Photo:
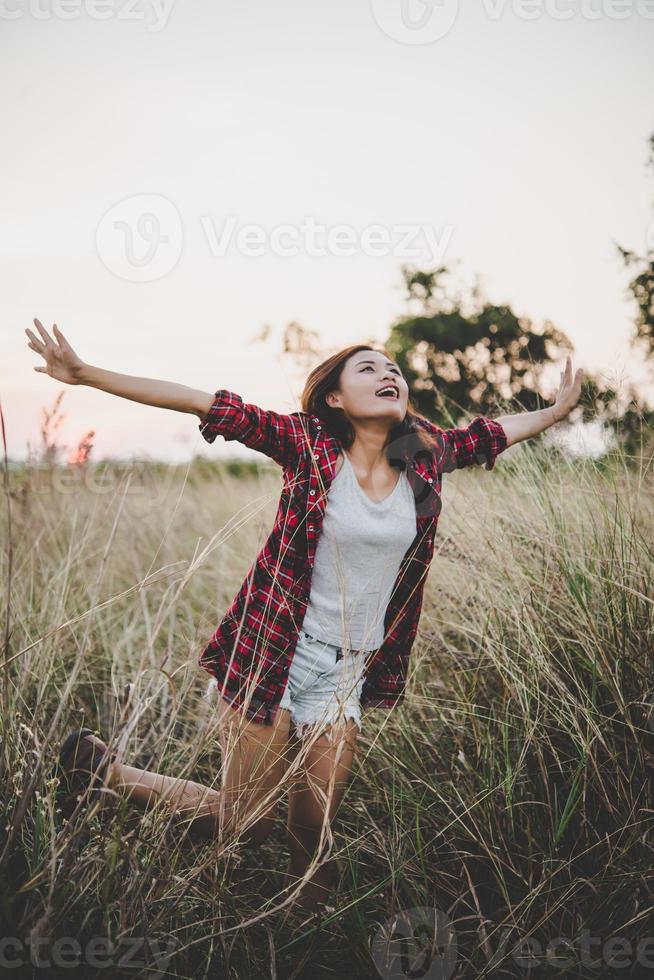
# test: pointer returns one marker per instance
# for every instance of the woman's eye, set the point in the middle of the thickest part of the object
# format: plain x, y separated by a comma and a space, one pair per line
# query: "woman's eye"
368, 367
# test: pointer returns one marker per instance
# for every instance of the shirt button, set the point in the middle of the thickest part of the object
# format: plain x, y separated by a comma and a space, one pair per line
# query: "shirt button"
316, 455
312, 492
310, 527
429, 480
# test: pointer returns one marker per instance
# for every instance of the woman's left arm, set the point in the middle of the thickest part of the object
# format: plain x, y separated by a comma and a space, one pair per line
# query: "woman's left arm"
524, 425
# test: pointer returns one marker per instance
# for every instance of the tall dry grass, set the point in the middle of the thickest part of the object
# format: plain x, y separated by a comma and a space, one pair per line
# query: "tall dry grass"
511, 790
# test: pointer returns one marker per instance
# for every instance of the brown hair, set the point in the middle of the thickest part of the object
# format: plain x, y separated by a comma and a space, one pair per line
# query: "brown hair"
412, 430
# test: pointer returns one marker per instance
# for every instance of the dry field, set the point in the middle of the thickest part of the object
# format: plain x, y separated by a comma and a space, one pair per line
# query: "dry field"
511, 791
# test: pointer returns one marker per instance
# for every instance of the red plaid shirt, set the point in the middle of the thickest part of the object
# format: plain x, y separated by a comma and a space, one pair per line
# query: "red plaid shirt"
251, 650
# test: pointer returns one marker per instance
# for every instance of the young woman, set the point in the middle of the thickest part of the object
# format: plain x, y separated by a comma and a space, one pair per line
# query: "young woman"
323, 624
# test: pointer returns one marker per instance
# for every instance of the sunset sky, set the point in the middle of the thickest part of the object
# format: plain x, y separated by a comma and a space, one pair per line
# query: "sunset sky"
510, 148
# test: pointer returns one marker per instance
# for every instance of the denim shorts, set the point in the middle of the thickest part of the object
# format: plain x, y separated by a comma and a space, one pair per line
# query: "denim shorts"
324, 685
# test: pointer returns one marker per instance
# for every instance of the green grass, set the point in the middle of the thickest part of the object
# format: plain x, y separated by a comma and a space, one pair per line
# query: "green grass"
512, 789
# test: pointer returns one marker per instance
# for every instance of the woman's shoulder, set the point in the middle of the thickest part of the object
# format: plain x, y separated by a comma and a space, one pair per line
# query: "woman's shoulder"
316, 425
314, 439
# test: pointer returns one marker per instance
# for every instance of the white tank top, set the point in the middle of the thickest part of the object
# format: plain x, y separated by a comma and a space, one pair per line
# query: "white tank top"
357, 561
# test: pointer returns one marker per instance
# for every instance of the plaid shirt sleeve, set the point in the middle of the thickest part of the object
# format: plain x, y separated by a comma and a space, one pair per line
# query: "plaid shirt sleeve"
281, 437
479, 442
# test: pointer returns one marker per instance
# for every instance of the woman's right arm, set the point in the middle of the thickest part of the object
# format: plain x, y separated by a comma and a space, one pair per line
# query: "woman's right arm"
63, 364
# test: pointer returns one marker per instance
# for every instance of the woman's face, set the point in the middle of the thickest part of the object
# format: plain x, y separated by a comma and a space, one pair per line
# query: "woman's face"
364, 375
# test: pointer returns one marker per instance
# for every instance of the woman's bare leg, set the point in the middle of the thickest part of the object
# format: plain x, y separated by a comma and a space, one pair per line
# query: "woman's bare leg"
198, 804
253, 765
256, 758
327, 770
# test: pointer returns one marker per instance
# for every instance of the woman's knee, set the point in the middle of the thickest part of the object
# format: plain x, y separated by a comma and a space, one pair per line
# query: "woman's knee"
305, 831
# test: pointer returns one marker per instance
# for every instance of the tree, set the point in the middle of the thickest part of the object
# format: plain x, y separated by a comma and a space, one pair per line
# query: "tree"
636, 420
466, 354
302, 344
642, 285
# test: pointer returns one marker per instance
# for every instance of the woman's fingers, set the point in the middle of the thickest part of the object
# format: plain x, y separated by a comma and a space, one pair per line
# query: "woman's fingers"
578, 379
566, 375
47, 339
35, 344
38, 344
63, 343
44, 333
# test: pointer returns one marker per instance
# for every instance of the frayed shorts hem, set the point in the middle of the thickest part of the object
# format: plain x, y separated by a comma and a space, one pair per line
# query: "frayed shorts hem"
306, 726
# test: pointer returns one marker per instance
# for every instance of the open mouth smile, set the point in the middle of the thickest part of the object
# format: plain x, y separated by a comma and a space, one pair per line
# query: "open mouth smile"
388, 391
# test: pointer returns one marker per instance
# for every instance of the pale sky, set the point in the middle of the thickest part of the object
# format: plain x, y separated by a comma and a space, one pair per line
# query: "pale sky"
511, 147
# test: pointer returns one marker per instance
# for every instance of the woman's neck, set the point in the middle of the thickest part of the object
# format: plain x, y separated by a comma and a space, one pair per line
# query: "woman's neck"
369, 443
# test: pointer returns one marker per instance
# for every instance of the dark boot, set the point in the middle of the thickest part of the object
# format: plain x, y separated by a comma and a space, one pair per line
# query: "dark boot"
83, 760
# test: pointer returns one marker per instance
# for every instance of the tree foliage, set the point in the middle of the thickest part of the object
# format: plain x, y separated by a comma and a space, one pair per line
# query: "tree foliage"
461, 354
642, 285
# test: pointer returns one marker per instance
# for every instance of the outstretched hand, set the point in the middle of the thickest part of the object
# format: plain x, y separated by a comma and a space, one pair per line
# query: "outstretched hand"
569, 390
61, 361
